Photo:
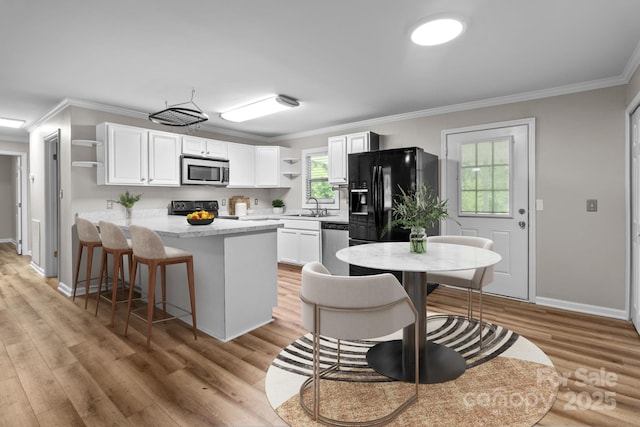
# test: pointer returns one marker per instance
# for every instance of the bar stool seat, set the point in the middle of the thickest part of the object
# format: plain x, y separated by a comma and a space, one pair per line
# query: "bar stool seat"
88, 237
149, 249
116, 244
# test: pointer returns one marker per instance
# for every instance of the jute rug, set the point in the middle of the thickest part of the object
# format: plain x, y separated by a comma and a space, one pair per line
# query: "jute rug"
510, 382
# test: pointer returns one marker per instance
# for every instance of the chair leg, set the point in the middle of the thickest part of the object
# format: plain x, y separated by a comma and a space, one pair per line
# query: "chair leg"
132, 279
75, 282
192, 295
114, 286
103, 267
88, 278
480, 323
163, 280
151, 301
469, 304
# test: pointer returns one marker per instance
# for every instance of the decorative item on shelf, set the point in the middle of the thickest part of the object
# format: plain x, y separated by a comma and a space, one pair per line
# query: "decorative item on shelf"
416, 211
200, 218
278, 206
128, 200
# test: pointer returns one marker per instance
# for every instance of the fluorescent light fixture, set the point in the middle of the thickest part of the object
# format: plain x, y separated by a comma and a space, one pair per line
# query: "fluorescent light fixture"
261, 108
11, 123
437, 31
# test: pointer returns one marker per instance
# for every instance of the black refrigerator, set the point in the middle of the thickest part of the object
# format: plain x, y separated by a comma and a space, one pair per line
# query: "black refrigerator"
375, 178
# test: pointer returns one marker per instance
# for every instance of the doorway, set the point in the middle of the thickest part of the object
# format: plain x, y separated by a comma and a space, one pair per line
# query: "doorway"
488, 178
52, 204
19, 184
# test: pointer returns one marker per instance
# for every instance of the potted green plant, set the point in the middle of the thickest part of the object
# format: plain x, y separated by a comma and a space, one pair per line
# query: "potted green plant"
416, 211
128, 200
278, 206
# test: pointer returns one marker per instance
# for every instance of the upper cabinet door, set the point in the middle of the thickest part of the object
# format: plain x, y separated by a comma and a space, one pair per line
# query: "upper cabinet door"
216, 149
126, 155
194, 146
241, 165
164, 159
267, 166
358, 142
338, 159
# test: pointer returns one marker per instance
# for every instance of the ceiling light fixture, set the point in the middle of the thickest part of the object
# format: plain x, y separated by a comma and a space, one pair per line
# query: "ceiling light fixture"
11, 123
261, 108
437, 31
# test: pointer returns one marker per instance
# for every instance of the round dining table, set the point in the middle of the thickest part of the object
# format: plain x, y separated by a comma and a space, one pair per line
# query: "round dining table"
395, 358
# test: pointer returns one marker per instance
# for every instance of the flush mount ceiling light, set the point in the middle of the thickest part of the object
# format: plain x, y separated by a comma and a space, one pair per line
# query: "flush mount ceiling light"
261, 108
436, 31
11, 123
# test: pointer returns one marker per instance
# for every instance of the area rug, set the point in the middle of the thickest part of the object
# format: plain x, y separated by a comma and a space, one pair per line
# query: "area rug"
510, 382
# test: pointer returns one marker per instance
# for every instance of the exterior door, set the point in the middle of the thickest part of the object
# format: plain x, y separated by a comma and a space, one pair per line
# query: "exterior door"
635, 215
486, 181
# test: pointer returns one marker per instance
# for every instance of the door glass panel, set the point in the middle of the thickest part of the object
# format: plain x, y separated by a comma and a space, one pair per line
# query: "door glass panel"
485, 178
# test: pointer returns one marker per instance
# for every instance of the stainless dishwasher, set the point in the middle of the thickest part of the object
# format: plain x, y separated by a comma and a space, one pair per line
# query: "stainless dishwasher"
335, 236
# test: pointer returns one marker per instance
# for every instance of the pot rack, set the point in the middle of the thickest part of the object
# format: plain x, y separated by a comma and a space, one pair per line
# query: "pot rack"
175, 115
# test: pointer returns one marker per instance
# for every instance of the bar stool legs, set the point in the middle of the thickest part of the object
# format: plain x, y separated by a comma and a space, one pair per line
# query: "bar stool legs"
118, 269
90, 247
153, 265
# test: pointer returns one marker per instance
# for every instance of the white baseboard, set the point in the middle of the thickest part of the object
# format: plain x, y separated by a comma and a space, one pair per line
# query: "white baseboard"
583, 308
68, 289
37, 268
12, 241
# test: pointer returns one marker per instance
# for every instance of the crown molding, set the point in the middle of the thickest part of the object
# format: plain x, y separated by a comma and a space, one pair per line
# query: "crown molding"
491, 102
632, 64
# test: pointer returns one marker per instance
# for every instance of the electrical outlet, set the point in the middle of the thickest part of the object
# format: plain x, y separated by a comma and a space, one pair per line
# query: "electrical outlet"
592, 205
255, 202
109, 204
224, 202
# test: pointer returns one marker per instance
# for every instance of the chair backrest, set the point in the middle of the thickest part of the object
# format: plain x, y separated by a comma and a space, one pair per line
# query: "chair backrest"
87, 231
353, 307
112, 236
146, 243
482, 276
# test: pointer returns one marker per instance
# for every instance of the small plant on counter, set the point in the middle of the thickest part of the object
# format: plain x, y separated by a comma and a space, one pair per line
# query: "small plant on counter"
277, 203
128, 199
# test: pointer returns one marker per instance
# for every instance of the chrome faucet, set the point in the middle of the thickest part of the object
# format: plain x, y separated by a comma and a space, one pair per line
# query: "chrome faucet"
317, 213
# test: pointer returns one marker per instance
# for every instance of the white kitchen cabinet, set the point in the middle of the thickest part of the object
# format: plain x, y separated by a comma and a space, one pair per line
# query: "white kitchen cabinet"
130, 155
164, 159
203, 147
339, 148
299, 242
272, 167
241, 165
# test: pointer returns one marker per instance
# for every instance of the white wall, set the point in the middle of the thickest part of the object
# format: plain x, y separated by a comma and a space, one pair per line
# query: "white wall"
579, 155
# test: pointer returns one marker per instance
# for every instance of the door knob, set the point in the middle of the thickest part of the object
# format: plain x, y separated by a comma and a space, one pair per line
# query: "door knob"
522, 224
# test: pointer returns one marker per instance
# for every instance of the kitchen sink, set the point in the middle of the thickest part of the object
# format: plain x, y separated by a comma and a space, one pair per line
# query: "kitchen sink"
309, 215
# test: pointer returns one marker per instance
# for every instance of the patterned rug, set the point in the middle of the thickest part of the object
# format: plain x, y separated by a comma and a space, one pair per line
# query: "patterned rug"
510, 382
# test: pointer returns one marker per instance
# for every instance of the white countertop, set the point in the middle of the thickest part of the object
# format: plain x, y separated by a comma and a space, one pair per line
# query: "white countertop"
439, 257
177, 226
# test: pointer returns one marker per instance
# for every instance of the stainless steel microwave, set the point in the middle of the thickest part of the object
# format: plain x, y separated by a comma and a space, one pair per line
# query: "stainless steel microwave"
202, 171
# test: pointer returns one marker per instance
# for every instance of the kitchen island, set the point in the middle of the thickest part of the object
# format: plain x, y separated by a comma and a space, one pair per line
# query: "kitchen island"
235, 265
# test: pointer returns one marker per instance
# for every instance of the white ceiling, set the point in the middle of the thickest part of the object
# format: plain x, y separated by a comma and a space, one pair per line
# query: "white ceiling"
345, 60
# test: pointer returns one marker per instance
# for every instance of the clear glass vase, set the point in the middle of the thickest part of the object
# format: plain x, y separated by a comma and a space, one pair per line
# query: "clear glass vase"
418, 240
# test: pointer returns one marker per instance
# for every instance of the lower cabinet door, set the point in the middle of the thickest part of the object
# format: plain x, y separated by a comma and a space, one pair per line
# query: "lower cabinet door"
309, 246
288, 246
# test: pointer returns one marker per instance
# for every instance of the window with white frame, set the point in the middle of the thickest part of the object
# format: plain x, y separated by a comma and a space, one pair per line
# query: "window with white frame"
315, 170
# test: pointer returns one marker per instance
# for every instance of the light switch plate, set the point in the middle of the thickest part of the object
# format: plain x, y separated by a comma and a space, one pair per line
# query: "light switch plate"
539, 205
592, 205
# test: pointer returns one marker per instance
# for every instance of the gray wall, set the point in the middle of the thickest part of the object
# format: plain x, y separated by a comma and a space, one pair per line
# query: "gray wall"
580, 142
580, 154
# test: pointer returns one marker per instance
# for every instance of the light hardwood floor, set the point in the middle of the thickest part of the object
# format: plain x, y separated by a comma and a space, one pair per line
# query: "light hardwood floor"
61, 366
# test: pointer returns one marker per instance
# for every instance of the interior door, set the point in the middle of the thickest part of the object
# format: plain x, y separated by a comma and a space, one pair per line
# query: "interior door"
487, 186
635, 215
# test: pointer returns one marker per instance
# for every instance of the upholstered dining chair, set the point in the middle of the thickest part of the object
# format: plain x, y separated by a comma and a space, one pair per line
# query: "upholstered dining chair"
351, 307
471, 280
